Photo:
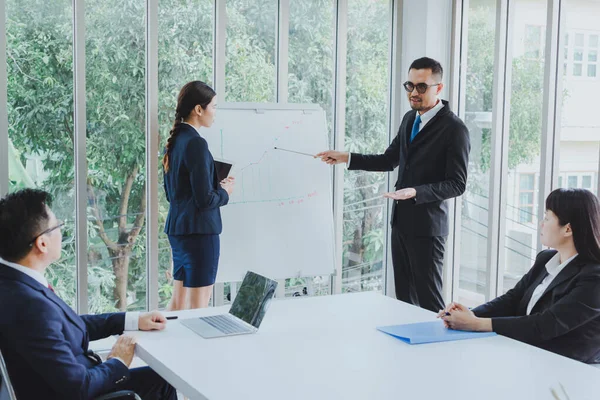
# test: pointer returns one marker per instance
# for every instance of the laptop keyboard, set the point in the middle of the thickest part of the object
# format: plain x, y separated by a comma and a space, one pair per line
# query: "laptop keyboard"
226, 324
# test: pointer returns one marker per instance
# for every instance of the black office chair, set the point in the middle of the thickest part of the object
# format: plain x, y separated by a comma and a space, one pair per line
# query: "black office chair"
7, 392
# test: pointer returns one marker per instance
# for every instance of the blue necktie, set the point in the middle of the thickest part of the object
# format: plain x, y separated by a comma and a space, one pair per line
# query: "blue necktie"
415, 129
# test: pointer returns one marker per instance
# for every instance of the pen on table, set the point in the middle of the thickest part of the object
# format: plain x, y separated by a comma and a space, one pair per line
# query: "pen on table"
172, 317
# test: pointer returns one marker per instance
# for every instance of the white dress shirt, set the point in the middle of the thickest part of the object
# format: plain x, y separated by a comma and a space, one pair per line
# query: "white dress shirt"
428, 115
425, 118
553, 267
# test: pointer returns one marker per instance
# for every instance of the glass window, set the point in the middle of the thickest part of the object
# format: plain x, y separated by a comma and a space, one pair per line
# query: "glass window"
116, 119
39, 54
526, 198
572, 181
525, 132
367, 88
592, 56
527, 181
250, 74
566, 55
481, 34
310, 52
310, 80
585, 53
534, 41
579, 123
185, 53
578, 55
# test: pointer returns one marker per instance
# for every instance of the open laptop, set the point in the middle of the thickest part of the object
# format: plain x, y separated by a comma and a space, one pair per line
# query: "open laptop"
246, 313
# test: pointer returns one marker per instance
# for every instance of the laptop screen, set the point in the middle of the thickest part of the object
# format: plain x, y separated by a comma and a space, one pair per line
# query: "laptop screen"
253, 298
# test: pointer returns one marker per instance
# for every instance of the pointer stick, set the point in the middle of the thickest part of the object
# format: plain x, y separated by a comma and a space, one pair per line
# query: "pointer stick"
293, 151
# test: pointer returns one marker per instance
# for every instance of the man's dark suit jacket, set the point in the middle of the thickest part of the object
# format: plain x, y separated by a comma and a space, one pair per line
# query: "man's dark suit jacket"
565, 320
192, 187
44, 343
435, 164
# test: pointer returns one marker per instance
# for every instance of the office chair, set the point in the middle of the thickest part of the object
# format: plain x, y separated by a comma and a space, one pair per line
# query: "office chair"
6, 389
7, 392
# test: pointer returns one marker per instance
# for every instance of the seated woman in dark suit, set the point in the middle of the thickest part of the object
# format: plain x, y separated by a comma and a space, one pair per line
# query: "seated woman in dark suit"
556, 305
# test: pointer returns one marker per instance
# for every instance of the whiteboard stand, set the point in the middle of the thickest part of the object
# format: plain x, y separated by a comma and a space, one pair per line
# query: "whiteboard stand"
218, 294
280, 291
310, 289
232, 291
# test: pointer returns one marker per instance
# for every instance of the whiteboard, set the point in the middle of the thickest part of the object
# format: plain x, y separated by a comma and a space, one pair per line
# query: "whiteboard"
279, 220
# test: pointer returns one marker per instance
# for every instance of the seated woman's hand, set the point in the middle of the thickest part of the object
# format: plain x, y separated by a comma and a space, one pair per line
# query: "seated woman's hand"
462, 319
449, 308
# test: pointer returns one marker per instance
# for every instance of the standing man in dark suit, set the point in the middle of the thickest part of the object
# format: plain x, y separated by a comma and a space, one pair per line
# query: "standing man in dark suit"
431, 152
43, 341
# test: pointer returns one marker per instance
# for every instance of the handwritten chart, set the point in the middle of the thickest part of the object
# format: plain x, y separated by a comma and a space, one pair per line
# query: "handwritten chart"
279, 220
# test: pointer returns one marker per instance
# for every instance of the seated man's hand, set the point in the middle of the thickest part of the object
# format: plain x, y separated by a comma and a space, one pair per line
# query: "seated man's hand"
124, 349
152, 321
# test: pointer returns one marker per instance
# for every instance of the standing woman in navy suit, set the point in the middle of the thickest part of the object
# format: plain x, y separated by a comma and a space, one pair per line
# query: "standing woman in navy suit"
195, 196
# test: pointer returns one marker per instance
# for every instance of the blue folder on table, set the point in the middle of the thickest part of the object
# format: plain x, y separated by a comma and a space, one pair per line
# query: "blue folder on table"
429, 332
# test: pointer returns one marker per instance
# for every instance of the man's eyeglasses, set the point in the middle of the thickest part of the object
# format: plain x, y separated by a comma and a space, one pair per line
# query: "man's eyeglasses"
421, 87
59, 225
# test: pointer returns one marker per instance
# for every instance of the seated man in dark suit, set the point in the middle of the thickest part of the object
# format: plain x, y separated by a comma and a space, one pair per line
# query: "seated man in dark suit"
556, 305
45, 343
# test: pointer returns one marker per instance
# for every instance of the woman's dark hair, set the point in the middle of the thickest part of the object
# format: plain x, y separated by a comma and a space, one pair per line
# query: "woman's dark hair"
192, 94
581, 209
23, 215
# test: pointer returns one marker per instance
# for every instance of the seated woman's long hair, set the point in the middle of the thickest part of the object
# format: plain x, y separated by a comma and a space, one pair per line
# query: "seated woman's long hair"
581, 209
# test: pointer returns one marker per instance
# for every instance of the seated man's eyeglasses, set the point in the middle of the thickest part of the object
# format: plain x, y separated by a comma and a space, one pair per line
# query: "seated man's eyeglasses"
59, 224
421, 87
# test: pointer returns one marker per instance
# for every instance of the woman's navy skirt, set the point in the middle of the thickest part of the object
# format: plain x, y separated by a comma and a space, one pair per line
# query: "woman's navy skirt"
195, 259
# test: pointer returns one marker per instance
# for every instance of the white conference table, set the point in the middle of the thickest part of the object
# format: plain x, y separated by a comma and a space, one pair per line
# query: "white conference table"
328, 348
